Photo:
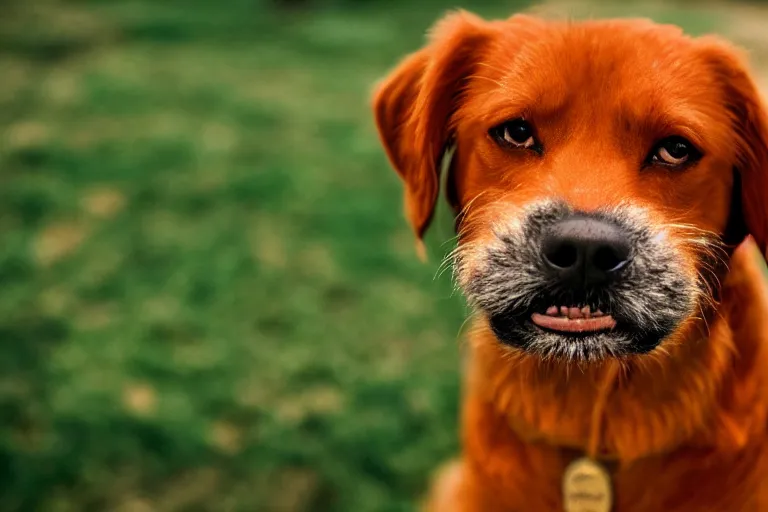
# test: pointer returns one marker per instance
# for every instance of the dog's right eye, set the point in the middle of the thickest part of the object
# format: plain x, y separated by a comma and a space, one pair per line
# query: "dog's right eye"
674, 152
517, 133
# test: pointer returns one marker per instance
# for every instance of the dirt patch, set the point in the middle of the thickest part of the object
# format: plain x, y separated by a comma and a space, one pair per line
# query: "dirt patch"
294, 489
136, 505
104, 202
192, 488
57, 241
226, 437
140, 399
25, 134
317, 400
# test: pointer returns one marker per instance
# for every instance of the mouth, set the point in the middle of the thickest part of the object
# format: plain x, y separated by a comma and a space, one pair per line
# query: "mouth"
574, 320
569, 332
586, 330
576, 332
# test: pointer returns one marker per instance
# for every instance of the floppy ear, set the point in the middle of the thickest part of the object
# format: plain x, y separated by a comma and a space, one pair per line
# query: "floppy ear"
414, 107
749, 117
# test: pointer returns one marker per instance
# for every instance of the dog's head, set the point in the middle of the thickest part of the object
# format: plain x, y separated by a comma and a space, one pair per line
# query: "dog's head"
601, 172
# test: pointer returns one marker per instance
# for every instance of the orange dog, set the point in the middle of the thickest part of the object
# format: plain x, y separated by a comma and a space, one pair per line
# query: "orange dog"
603, 174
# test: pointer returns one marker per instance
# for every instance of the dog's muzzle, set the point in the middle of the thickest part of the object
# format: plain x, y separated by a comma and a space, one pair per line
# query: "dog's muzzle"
580, 285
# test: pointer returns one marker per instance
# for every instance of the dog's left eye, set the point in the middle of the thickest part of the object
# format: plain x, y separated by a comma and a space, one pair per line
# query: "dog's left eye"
674, 151
517, 133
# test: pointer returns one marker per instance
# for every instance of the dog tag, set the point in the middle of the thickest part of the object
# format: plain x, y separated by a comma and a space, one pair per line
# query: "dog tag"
586, 487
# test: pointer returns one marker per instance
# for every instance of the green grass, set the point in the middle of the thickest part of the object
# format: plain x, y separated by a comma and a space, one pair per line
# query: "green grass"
210, 299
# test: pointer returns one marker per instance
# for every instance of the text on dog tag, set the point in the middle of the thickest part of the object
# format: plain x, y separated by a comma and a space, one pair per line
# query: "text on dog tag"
586, 487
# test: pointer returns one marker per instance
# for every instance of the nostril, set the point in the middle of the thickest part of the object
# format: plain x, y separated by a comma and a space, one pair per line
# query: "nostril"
609, 259
562, 255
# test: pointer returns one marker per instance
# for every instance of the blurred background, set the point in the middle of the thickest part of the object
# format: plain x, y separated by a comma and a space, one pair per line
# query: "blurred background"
209, 298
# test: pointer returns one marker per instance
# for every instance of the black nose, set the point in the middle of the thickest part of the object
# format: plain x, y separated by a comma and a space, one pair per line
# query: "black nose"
585, 252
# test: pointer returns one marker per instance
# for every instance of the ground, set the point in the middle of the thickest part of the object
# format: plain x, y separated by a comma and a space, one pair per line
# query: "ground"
210, 299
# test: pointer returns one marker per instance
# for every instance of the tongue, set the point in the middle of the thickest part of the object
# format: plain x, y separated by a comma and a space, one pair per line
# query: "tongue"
564, 324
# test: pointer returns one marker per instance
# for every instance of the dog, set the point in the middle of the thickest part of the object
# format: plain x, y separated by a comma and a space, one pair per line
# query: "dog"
610, 184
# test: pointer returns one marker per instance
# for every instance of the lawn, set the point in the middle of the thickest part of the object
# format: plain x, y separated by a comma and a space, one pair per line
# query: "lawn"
210, 299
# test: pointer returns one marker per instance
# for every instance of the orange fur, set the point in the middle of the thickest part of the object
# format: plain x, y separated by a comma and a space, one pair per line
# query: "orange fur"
684, 427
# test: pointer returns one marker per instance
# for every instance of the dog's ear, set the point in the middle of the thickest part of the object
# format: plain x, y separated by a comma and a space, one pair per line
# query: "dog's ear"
750, 121
415, 104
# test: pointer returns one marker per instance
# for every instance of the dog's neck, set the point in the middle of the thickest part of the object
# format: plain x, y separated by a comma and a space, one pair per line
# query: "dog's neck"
701, 392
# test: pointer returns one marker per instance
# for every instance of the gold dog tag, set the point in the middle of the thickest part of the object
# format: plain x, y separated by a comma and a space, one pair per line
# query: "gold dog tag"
586, 487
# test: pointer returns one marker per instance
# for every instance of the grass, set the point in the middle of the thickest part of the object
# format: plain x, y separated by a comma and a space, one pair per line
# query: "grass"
210, 300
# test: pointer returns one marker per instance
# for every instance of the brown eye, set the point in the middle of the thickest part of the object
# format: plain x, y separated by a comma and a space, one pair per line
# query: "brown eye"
674, 152
517, 133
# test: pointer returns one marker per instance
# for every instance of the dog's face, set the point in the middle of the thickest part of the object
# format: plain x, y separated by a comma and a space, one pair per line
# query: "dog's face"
600, 171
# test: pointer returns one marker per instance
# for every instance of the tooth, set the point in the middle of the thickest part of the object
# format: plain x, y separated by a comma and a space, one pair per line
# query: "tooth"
574, 313
585, 312
597, 313
564, 310
552, 311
